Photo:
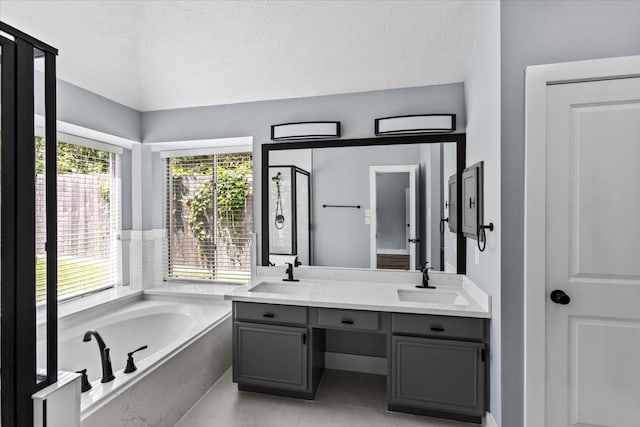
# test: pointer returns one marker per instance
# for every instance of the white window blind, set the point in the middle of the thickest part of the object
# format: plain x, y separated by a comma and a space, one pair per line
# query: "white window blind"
89, 220
209, 217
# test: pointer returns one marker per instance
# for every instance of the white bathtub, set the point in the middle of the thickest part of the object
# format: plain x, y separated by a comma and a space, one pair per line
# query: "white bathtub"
167, 325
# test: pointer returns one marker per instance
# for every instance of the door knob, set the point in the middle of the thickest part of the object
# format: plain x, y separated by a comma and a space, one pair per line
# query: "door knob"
559, 297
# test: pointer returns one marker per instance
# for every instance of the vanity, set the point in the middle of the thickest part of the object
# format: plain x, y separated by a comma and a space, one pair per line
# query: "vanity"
362, 216
435, 341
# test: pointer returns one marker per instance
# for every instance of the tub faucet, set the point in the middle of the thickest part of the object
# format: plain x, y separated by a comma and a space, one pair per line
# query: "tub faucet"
107, 370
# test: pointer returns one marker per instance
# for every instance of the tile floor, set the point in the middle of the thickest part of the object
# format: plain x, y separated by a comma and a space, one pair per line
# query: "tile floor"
344, 399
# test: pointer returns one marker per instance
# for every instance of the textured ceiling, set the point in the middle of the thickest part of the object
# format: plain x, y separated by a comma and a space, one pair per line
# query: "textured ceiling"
153, 55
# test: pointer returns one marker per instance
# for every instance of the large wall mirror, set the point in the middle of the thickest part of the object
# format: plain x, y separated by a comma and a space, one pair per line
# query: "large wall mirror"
380, 203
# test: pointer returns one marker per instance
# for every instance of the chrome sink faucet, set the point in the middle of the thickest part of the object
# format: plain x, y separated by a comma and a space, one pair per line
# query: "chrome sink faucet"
105, 359
425, 277
289, 274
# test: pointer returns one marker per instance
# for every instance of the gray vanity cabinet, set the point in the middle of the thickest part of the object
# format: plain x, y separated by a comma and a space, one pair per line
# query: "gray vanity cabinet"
437, 375
275, 351
271, 356
438, 366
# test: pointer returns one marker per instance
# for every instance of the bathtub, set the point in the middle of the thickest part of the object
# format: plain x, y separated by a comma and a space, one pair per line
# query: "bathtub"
189, 348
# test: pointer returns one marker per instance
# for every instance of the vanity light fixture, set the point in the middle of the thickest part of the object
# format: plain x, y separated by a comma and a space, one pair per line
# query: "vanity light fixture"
305, 130
415, 124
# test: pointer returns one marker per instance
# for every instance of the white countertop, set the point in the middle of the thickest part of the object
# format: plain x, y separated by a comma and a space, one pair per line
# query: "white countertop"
368, 292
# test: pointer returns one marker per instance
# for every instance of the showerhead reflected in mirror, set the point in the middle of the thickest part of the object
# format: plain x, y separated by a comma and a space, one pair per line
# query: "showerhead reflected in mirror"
376, 206
289, 230
279, 219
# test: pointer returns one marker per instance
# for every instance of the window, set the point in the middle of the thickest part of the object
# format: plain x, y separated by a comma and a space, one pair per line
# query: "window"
209, 217
88, 210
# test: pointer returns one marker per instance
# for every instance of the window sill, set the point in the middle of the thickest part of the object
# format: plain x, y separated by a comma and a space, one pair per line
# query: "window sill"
213, 290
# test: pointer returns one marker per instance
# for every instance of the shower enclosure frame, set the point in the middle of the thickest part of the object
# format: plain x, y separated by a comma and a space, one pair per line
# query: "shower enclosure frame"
294, 217
19, 376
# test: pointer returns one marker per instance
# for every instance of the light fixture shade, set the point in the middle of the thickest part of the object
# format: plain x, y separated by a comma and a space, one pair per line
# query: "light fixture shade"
417, 123
305, 130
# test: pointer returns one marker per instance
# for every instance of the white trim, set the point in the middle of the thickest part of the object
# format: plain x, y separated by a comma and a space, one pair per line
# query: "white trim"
95, 135
537, 79
240, 141
489, 421
205, 151
413, 171
83, 132
89, 143
65, 131
392, 251
7, 36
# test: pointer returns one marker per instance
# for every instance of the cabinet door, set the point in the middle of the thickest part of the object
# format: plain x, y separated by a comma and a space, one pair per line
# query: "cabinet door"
270, 356
438, 375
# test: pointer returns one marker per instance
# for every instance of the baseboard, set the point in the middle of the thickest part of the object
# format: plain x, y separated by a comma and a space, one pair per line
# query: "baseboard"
356, 363
489, 421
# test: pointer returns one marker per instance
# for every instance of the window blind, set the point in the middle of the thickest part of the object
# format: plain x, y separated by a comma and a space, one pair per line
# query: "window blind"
89, 220
209, 217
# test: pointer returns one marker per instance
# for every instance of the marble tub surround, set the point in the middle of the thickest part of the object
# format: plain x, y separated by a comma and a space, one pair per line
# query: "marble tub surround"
165, 395
172, 324
366, 290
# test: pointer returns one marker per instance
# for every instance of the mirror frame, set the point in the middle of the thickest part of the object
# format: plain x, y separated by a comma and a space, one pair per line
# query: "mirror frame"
434, 138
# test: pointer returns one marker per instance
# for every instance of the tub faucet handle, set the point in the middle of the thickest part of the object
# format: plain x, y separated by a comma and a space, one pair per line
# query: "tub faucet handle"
86, 386
131, 366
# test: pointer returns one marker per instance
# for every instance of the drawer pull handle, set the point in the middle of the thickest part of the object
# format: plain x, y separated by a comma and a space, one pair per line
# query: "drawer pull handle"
437, 329
347, 322
269, 315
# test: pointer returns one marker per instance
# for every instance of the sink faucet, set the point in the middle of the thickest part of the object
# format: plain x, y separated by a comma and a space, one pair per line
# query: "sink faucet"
425, 277
289, 274
107, 370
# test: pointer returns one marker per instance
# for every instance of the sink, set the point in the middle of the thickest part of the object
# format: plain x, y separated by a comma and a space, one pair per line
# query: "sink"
291, 288
431, 296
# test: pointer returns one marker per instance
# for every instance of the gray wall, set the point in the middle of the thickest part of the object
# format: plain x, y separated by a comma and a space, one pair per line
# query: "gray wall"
482, 87
341, 176
540, 32
87, 109
92, 111
356, 111
83, 108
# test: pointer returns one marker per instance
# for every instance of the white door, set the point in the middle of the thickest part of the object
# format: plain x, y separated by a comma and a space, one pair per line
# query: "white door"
410, 235
593, 254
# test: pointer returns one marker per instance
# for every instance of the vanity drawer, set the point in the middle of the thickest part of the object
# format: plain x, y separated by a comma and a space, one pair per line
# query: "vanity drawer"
438, 326
349, 319
270, 313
